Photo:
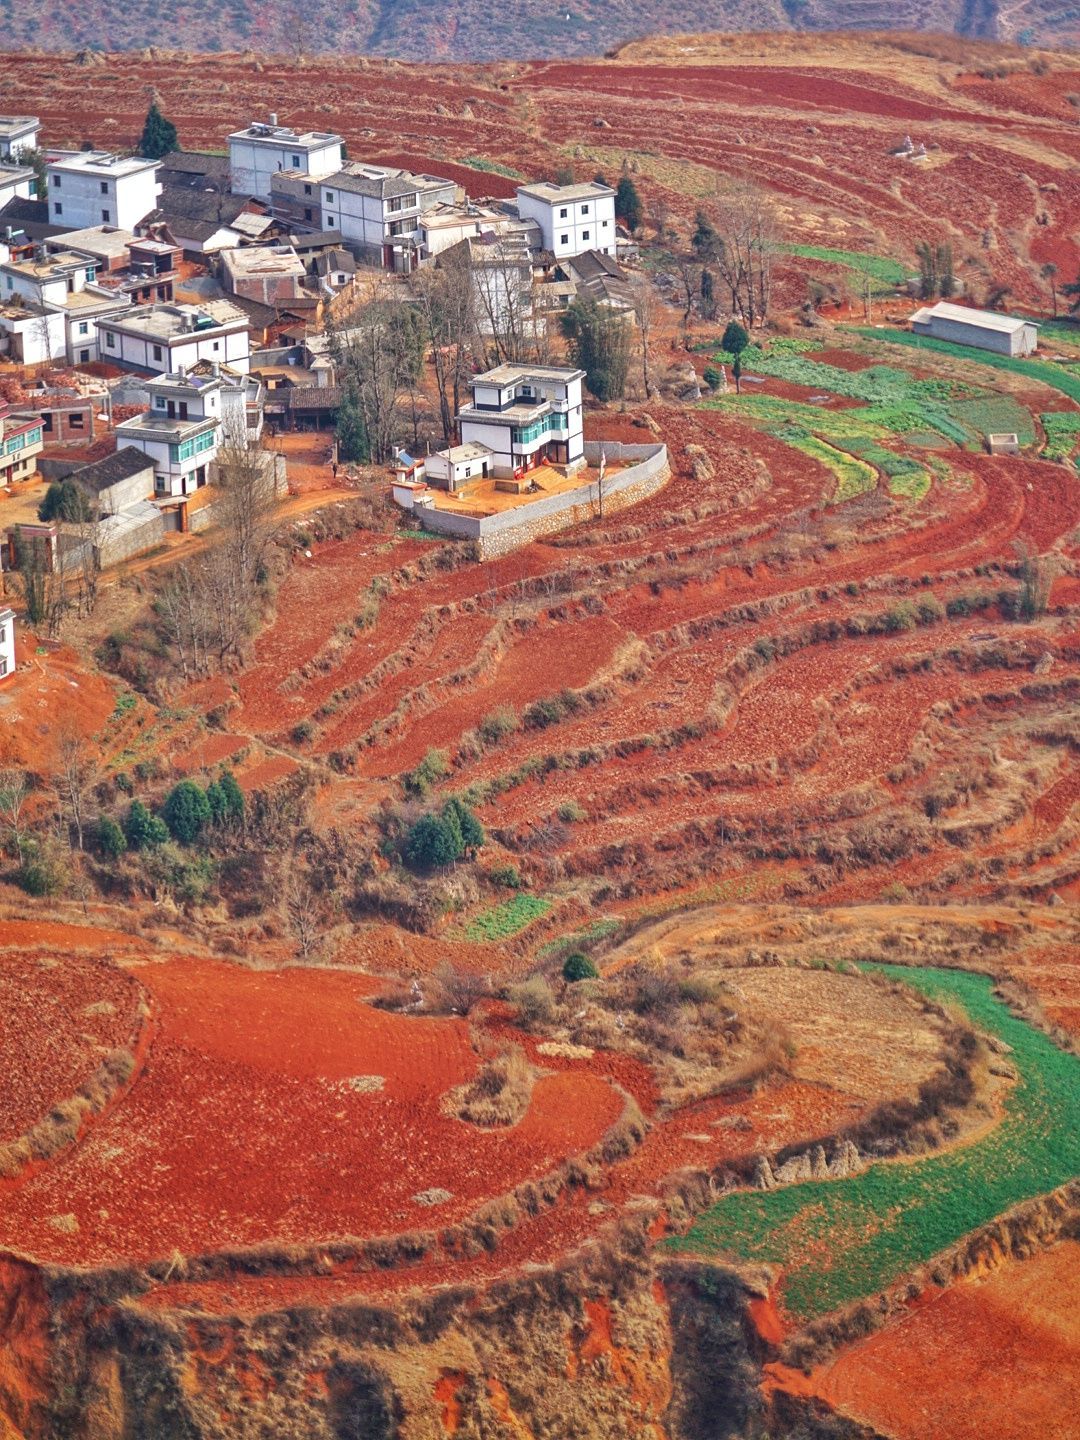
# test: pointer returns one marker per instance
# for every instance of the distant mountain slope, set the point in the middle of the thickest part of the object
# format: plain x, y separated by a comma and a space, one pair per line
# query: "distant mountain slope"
468, 30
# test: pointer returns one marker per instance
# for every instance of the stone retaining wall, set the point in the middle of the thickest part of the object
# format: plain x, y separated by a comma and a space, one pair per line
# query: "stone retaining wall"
498, 534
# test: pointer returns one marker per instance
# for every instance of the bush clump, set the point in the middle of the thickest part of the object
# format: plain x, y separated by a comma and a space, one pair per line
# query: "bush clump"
144, 831
109, 838
579, 967
186, 812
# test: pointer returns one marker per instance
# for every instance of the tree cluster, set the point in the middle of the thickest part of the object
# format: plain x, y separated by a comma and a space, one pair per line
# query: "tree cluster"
738, 236
936, 277
437, 840
599, 342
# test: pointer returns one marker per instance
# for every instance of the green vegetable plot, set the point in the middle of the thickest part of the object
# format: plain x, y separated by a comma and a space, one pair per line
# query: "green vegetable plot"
1056, 376
844, 1240
508, 918
889, 273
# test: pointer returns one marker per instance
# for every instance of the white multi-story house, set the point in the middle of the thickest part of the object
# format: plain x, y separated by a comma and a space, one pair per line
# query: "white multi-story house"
17, 182
572, 218
95, 188
63, 282
181, 431
259, 152
162, 339
7, 641
378, 208
18, 133
527, 415
21, 440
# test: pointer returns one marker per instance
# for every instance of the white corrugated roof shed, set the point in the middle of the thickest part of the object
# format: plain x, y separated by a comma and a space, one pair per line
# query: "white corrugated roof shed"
966, 315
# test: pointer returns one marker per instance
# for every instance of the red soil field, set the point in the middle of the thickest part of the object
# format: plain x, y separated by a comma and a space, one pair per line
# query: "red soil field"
996, 1355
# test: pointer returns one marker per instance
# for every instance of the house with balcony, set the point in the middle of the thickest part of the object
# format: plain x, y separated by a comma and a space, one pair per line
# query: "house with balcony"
258, 152
18, 133
181, 432
64, 282
21, 441
93, 187
527, 416
377, 209
572, 218
161, 339
141, 268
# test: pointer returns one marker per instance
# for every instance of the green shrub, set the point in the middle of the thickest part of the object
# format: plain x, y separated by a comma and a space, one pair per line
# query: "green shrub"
712, 377
186, 812
496, 726
466, 828
542, 713
508, 877
534, 1000
434, 767
432, 844
570, 811
303, 732
579, 967
109, 838
42, 872
901, 617
144, 831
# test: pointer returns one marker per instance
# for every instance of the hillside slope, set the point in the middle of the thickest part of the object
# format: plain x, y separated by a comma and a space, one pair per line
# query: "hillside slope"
465, 30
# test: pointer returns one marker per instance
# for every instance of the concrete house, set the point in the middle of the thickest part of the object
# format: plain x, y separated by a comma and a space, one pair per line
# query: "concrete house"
180, 432
65, 281
270, 274
7, 641
122, 478
163, 338
526, 415
21, 440
258, 152
451, 468
377, 208
17, 182
501, 272
18, 133
96, 188
141, 268
31, 333
572, 218
983, 329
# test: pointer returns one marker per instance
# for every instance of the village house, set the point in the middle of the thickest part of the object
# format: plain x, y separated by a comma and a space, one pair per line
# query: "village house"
31, 333
501, 273
180, 432
258, 152
17, 182
294, 198
572, 218
601, 278
334, 270
377, 208
270, 274
21, 441
7, 641
243, 402
448, 469
120, 479
67, 418
18, 133
163, 338
64, 282
95, 188
526, 416
982, 329
140, 268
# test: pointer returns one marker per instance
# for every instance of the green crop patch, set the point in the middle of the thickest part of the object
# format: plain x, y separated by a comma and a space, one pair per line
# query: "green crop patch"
1062, 429
888, 273
840, 1241
995, 415
853, 476
508, 918
1045, 371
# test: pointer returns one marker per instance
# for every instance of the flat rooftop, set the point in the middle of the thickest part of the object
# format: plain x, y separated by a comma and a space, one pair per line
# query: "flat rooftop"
14, 174
279, 135
263, 260
101, 162
510, 374
170, 322
12, 126
480, 497
106, 240
554, 194
54, 267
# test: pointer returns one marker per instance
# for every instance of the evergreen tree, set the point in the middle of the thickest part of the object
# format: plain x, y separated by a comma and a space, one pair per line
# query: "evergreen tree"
159, 136
599, 344
431, 844
144, 831
64, 500
352, 436
628, 207
234, 796
186, 812
735, 342
464, 824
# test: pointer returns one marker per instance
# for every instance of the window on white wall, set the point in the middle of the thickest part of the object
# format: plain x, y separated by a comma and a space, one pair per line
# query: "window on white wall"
564, 239
157, 352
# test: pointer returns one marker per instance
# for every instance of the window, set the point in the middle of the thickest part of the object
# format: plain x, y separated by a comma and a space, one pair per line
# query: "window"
84, 355
307, 213
58, 209
10, 283
84, 328
90, 272
76, 420
296, 162
105, 217
563, 213
46, 425
110, 340
183, 410
157, 352
330, 222
217, 344
56, 182
307, 189
603, 224
584, 209
564, 239
104, 187
584, 234
160, 402
329, 197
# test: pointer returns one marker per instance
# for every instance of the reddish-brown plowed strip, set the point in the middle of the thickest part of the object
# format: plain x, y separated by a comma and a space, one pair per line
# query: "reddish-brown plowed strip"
995, 1356
243, 1128
1052, 807
59, 1015
210, 751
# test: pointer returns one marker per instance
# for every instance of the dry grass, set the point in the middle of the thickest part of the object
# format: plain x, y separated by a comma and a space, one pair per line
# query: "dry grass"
499, 1093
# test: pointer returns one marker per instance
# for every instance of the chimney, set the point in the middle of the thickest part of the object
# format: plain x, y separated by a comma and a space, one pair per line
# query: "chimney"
215, 369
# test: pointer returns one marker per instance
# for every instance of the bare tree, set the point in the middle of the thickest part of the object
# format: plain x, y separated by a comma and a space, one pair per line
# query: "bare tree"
689, 280
14, 789
302, 911
645, 303
511, 320
76, 775
744, 240
444, 299
378, 351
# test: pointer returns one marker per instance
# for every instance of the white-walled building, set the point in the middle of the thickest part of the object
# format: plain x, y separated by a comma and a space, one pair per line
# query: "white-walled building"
526, 415
64, 281
257, 153
378, 207
983, 329
17, 182
18, 133
162, 339
447, 469
31, 334
7, 641
181, 431
22, 437
572, 218
93, 187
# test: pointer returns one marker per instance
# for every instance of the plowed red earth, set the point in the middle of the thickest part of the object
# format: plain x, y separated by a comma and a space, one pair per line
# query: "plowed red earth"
990, 1356
244, 1128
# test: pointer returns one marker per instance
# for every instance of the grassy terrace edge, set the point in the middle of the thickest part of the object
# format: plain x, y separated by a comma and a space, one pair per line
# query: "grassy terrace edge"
856, 1236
